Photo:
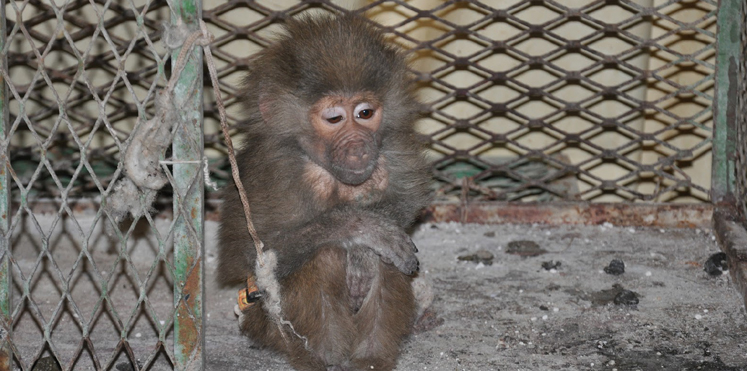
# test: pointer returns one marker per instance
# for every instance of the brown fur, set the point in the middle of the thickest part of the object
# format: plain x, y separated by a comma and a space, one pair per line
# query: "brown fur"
344, 256
346, 338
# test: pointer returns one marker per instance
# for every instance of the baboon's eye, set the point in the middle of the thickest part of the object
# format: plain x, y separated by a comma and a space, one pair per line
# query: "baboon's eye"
334, 115
364, 111
366, 114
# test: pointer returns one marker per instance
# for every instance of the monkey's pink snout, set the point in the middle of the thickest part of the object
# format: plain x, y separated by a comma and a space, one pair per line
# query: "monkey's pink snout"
354, 162
357, 155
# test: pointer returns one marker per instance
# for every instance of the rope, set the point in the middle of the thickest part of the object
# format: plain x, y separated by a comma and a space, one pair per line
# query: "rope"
265, 272
206, 172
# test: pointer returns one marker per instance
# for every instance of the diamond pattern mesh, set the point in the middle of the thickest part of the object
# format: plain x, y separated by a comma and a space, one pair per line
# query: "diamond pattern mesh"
606, 101
90, 294
526, 101
535, 100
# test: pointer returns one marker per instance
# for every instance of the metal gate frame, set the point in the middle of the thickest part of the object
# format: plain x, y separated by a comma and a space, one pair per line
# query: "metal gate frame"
188, 211
730, 141
189, 238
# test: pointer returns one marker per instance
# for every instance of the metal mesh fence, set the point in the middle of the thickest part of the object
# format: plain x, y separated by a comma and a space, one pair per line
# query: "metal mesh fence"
88, 292
526, 100
536, 100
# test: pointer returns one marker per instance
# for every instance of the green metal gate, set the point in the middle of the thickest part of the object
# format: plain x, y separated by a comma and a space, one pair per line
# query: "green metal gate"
48, 106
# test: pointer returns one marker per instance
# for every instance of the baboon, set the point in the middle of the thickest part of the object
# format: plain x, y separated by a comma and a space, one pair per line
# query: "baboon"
335, 175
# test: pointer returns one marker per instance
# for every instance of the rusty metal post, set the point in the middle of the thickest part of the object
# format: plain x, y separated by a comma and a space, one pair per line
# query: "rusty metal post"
187, 149
725, 103
6, 317
732, 238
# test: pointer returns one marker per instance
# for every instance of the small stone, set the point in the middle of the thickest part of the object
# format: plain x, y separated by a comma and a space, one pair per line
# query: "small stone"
716, 264
484, 255
489, 234
616, 267
604, 297
552, 264
480, 256
626, 297
542, 307
524, 248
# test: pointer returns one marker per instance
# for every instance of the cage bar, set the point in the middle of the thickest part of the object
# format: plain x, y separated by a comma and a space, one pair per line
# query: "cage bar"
725, 102
188, 202
741, 137
730, 145
6, 317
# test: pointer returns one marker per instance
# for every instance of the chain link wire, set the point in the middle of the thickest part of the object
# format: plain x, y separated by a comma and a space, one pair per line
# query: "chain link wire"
81, 76
535, 101
527, 101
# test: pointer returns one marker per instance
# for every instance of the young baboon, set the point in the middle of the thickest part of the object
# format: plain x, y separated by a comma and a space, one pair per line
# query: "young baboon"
335, 176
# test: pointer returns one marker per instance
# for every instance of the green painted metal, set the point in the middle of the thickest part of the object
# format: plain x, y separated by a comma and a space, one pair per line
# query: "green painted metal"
6, 317
725, 103
187, 149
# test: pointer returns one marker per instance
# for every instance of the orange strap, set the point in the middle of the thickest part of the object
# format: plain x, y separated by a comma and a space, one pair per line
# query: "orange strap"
248, 295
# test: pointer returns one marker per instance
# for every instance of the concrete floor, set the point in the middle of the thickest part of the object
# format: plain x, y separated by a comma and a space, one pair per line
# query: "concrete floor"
510, 315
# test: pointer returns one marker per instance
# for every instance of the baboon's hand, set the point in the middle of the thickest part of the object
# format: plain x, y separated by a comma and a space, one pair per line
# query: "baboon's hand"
387, 240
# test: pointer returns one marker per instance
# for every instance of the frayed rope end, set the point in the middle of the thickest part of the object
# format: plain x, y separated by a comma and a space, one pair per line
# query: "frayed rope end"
268, 283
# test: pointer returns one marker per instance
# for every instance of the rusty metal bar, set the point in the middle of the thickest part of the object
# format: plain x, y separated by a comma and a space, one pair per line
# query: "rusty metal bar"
732, 238
741, 125
725, 102
189, 246
563, 213
6, 316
